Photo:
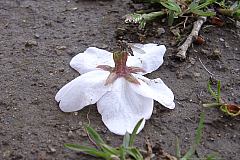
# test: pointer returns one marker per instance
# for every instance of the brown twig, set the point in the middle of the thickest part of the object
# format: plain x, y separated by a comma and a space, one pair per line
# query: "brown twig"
182, 50
149, 152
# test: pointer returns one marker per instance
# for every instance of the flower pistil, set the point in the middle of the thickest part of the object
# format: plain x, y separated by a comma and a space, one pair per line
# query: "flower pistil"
121, 69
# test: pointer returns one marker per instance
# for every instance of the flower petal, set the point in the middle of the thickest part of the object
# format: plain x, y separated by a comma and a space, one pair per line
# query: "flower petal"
82, 91
154, 89
121, 108
150, 58
90, 59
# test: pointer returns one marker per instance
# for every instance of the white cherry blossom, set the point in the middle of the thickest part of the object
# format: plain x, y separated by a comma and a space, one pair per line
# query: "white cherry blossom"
116, 83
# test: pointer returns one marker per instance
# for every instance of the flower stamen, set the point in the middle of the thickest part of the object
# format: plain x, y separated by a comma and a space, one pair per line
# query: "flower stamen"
121, 69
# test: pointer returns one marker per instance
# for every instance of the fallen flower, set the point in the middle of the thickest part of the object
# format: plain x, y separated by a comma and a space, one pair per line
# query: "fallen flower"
231, 109
115, 83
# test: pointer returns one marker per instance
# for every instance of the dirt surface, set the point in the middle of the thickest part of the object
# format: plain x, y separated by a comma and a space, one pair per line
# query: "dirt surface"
38, 40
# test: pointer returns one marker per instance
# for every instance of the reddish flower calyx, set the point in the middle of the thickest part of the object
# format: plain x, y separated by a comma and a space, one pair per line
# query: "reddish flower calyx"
121, 69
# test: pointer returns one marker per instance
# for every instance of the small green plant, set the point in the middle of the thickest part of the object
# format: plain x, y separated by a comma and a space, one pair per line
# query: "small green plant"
185, 8
143, 18
128, 152
104, 151
198, 135
230, 109
173, 9
197, 140
231, 9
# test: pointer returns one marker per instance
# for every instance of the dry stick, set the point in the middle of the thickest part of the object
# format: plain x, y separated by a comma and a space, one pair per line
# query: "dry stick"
182, 50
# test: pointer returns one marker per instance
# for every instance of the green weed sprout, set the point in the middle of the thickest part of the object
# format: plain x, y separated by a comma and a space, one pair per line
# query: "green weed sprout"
128, 152
173, 9
197, 140
230, 10
143, 18
229, 109
198, 135
104, 151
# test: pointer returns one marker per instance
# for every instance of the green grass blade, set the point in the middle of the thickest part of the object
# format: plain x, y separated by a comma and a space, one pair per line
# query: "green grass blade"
178, 149
192, 5
198, 135
171, 18
218, 91
236, 15
133, 135
110, 150
134, 152
197, 139
126, 140
189, 154
122, 153
208, 105
202, 13
171, 5
151, 16
211, 91
87, 150
212, 157
204, 5
94, 136
235, 5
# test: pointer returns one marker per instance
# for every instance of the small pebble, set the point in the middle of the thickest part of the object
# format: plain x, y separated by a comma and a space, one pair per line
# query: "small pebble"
6, 154
196, 74
104, 46
237, 24
216, 54
205, 51
81, 133
175, 32
120, 32
61, 47
221, 39
80, 123
70, 134
31, 43
192, 60
101, 3
74, 8
226, 45
36, 35
51, 149
154, 111
61, 70
160, 31
237, 100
